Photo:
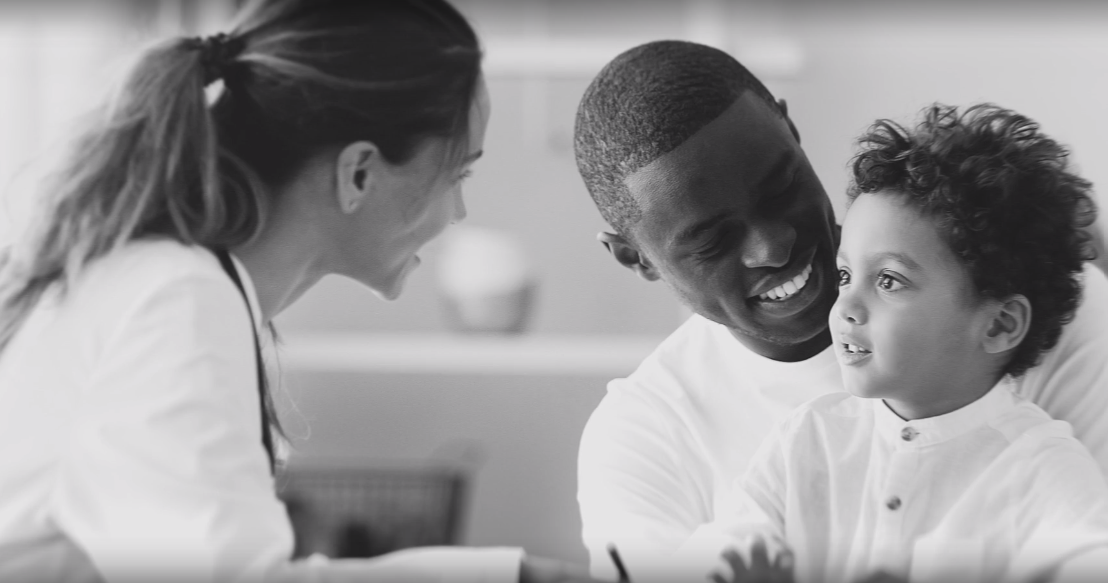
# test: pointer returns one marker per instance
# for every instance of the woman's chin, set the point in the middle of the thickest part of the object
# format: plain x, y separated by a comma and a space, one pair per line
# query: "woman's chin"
392, 286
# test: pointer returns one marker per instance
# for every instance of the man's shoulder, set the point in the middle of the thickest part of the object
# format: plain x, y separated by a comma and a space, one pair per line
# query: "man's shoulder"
839, 408
676, 370
1094, 295
697, 349
1091, 317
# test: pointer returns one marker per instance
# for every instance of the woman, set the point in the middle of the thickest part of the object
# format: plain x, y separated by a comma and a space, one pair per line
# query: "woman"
138, 429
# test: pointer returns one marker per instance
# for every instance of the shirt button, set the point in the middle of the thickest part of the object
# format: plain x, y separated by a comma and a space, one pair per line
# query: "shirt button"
893, 503
908, 433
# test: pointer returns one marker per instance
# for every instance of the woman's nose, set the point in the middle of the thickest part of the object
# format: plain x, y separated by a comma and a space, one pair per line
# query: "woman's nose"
768, 244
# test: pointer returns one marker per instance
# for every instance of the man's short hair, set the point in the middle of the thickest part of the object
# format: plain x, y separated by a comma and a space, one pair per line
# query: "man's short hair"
1002, 195
644, 104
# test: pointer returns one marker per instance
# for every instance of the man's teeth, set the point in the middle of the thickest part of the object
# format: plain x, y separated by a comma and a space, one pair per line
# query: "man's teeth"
790, 287
855, 349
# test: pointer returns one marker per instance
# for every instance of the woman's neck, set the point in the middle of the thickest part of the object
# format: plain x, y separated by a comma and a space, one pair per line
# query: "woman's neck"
283, 261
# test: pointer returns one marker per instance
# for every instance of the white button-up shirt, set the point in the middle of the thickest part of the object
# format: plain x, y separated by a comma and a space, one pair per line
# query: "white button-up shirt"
661, 450
993, 491
131, 424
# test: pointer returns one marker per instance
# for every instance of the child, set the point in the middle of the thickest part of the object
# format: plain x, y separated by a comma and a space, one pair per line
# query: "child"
959, 264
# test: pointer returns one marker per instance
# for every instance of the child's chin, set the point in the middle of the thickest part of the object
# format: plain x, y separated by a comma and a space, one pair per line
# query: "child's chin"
860, 388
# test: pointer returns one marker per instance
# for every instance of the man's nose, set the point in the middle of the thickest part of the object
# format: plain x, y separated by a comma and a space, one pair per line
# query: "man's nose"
768, 244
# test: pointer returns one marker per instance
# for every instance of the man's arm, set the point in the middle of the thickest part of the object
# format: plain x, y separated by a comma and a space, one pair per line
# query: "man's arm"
1071, 383
638, 486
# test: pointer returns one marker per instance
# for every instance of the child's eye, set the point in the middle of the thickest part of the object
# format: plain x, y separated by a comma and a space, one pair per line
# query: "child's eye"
888, 283
844, 277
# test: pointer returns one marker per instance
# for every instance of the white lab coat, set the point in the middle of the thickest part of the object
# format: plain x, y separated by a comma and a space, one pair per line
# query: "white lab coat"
131, 424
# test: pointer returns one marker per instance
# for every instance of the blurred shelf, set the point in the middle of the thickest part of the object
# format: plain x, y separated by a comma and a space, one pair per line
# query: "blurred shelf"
414, 353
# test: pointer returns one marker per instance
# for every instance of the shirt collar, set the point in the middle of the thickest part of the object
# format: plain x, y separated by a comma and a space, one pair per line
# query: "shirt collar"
923, 432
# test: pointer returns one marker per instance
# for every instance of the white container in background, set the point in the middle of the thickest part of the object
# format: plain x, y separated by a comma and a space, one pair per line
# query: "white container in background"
486, 281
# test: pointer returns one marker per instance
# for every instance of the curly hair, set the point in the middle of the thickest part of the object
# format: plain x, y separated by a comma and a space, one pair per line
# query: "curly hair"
1003, 197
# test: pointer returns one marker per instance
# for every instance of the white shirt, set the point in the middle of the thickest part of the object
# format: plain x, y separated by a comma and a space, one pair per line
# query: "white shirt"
131, 424
660, 452
993, 491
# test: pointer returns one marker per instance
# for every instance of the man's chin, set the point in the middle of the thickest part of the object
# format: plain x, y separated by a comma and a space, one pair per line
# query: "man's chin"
785, 345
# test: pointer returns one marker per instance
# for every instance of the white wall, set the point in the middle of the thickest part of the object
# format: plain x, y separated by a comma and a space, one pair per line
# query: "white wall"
870, 60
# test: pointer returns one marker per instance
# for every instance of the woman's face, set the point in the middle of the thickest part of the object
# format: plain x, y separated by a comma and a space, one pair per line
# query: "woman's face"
417, 201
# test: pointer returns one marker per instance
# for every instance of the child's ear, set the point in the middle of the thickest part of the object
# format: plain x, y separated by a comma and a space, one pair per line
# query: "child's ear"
628, 255
1011, 318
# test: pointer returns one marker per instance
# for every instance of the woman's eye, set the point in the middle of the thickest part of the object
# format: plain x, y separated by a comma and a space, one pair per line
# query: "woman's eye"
888, 283
844, 277
465, 175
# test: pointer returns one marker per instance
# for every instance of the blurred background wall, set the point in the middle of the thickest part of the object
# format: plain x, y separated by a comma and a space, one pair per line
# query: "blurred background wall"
516, 420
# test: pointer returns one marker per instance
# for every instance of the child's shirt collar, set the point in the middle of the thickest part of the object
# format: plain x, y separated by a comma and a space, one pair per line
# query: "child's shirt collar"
923, 432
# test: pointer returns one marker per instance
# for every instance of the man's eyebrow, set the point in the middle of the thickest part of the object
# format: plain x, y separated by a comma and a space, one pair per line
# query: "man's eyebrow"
689, 233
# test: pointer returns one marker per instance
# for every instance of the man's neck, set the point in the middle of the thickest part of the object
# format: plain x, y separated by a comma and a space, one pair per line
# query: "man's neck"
785, 352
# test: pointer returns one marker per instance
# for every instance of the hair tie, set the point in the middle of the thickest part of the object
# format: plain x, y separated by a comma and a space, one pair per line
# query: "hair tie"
217, 54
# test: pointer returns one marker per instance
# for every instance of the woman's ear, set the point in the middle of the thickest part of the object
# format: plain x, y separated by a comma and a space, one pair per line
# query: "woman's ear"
628, 255
357, 173
1009, 324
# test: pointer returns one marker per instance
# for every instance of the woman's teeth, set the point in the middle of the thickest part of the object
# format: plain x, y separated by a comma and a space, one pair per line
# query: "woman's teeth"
855, 349
789, 288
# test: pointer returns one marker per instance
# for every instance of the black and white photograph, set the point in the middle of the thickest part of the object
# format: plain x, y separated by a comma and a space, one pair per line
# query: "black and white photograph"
553, 291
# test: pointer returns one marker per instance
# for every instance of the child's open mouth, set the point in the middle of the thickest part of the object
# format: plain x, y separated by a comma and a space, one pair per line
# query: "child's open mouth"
851, 353
854, 349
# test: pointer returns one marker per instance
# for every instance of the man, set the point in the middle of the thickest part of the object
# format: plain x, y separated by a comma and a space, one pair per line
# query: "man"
700, 174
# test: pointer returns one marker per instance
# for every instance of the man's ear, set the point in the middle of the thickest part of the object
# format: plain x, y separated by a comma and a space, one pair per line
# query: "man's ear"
784, 107
357, 173
1008, 326
628, 255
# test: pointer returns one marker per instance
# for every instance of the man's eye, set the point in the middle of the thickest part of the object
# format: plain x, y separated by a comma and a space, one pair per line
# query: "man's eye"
888, 283
783, 198
717, 246
844, 277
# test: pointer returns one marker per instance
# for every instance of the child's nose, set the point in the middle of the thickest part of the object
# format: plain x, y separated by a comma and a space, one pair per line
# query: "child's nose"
848, 308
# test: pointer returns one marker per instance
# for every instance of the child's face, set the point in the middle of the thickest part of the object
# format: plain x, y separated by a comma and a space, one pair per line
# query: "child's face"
907, 324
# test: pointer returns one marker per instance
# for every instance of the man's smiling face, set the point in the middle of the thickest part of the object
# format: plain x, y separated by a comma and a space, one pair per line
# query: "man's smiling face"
735, 221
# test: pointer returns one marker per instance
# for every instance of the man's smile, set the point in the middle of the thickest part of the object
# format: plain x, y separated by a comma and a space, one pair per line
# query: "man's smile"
790, 290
